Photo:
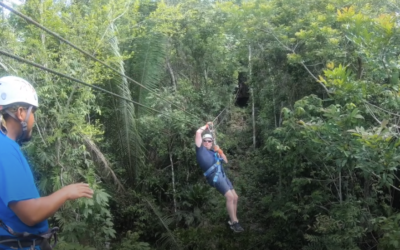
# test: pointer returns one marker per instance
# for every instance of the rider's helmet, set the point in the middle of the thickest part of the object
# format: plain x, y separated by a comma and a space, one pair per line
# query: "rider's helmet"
208, 136
17, 92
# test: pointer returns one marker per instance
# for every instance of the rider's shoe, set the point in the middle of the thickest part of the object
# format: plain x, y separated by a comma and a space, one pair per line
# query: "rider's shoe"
236, 227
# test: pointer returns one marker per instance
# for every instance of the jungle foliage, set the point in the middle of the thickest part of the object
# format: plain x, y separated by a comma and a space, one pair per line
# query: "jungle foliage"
307, 98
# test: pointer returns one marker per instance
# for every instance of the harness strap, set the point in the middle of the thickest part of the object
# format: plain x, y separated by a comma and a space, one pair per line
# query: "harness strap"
18, 243
26, 239
213, 167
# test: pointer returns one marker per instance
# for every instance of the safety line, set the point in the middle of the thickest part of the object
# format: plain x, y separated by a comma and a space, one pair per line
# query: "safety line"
219, 115
89, 55
77, 80
237, 93
213, 131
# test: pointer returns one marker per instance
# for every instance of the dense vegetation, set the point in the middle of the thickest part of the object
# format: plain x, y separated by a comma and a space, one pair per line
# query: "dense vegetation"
309, 95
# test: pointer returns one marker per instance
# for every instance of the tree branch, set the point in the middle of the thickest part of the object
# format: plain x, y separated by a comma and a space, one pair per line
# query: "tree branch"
315, 78
384, 110
372, 114
302, 63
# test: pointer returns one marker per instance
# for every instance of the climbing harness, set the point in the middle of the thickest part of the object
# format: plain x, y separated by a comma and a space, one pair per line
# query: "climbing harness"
217, 165
23, 240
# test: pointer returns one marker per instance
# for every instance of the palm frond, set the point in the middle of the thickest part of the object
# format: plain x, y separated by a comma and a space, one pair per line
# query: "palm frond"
130, 141
148, 64
99, 157
165, 221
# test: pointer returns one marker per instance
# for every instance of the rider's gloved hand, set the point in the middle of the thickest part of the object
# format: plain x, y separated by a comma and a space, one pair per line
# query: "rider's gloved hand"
218, 150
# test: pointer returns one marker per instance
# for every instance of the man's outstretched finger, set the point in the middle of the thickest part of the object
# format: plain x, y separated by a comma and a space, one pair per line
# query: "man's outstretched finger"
88, 191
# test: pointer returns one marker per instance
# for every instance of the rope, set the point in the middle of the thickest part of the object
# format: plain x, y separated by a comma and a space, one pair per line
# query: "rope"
214, 135
212, 131
219, 115
30, 20
237, 93
77, 80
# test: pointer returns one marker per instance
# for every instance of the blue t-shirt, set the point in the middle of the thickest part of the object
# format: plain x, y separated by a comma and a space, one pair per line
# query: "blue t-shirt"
205, 157
16, 184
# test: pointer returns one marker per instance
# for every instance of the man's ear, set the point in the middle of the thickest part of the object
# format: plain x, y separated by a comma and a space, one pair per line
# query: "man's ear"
21, 113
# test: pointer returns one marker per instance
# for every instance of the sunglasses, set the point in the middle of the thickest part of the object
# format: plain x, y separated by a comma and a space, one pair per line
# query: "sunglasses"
209, 141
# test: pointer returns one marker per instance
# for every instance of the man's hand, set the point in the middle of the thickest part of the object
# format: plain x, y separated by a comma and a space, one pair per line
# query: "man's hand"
33, 211
198, 139
209, 125
78, 190
218, 149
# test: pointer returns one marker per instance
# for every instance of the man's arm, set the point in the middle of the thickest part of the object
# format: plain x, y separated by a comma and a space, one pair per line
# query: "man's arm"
224, 157
34, 211
221, 153
198, 138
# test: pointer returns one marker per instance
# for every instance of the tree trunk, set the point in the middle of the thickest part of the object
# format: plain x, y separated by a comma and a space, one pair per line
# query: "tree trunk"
252, 103
173, 179
172, 75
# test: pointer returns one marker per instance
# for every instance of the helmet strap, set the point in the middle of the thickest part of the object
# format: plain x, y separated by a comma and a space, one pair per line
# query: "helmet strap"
3, 127
24, 124
11, 114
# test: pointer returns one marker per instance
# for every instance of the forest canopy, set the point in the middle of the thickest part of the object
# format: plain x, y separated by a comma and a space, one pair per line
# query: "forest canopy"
305, 98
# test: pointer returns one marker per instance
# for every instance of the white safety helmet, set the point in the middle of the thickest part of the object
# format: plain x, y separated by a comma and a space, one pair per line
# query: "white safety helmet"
15, 90
209, 136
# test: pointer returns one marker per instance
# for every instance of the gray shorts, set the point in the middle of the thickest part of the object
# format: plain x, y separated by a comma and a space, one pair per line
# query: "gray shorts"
223, 183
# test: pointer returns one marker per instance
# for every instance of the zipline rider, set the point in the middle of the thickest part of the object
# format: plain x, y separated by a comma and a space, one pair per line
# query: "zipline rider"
23, 213
209, 158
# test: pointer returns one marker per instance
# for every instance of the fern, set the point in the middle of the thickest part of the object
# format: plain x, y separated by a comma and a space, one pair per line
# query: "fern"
168, 238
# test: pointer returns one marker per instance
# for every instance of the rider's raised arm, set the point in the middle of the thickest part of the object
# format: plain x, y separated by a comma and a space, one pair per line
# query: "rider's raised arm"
198, 139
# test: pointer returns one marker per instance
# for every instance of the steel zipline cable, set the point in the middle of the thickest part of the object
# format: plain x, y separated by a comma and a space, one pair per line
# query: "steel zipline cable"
15, 57
215, 126
30, 20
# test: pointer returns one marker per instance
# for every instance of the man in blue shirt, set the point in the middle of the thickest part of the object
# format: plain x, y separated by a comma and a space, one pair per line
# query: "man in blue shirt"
209, 157
22, 210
